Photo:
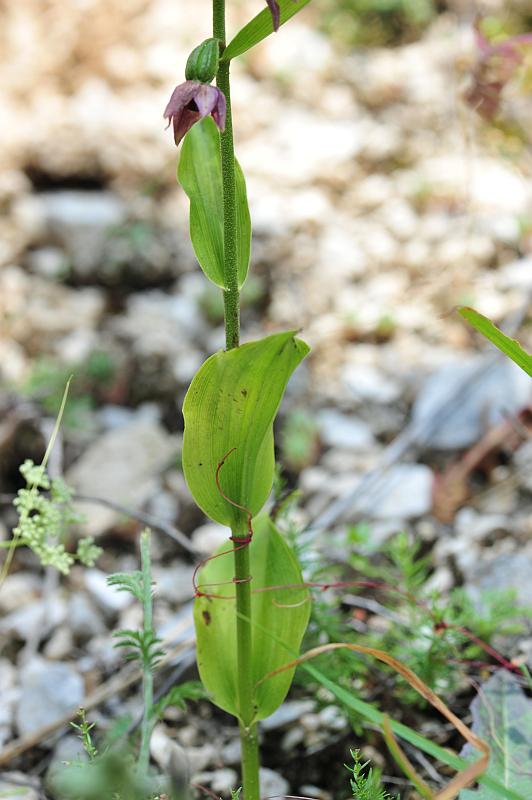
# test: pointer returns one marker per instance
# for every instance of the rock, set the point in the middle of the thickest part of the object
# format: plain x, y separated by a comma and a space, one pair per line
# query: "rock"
523, 463
17, 786
343, 431
121, 465
462, 399
368, 384
83, 618
507, 571
159, 324
475, 527
10, 694
48, 262
81, 221
48, 691
221, 781
60, 644
39, 311
288, 712
272, 784
403, 492
332, 718
35, 619
174, 583
231, 753
516, 275
108, 598
19, 589
208, 537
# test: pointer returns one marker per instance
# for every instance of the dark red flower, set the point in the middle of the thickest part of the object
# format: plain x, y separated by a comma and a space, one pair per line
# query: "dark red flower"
192, 101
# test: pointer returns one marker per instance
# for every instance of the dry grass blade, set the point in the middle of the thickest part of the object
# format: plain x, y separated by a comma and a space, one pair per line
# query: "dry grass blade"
464, 778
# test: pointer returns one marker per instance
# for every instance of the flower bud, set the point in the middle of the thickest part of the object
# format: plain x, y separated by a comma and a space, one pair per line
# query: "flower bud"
202, 64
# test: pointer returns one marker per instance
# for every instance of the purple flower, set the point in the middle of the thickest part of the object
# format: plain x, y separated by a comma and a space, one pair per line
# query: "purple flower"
273, 5
192, 101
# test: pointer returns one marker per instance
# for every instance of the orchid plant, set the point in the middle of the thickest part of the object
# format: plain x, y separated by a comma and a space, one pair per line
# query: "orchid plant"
228, 449
252, 606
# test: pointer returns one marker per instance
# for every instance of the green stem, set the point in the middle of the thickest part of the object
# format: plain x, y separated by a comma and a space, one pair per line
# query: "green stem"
231, 293
147, 675
248, 728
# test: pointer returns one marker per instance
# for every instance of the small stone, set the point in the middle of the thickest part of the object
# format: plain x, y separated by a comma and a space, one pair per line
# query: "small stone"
368, 384
473, 526
18, 589
523, 462
292, 739
109, 599
403, 492
331, 717
462, 399
48, 691
310, 722
35, 619
231, 753
121, 465
505, 572
343, 431
16, 786
207, 538
83, 618
272, 784
174, 583
60, 644
288, 712
49, 262
220, 781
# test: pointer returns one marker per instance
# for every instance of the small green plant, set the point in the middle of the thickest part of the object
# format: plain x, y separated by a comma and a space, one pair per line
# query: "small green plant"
366, 784
144, 645
45, 514
84, 729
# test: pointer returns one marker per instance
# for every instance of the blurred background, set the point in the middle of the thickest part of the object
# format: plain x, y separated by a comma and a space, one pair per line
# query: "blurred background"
380, 200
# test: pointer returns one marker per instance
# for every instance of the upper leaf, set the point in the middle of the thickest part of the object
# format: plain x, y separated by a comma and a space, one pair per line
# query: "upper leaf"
284, 611
230, 405
508, 346
260, 27
200, 174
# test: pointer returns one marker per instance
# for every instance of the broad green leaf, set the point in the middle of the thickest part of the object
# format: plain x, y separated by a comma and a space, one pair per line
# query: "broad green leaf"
260, 27
200, 174
502, 716
508, 346
230, 406
284, 611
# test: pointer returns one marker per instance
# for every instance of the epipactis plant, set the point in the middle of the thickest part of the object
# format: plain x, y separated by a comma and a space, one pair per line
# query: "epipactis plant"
228, 449
252, 606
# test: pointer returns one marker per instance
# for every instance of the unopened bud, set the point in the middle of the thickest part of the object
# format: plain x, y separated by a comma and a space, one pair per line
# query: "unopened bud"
202, 64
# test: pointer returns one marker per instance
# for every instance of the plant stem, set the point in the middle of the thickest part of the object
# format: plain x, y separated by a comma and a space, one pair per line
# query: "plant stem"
147, 675
231, 292
248, 728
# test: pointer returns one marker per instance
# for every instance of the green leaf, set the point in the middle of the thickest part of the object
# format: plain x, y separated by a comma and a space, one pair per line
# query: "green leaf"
200, 174
508, 346
259, 28
502, 716
230, 406
283, 611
